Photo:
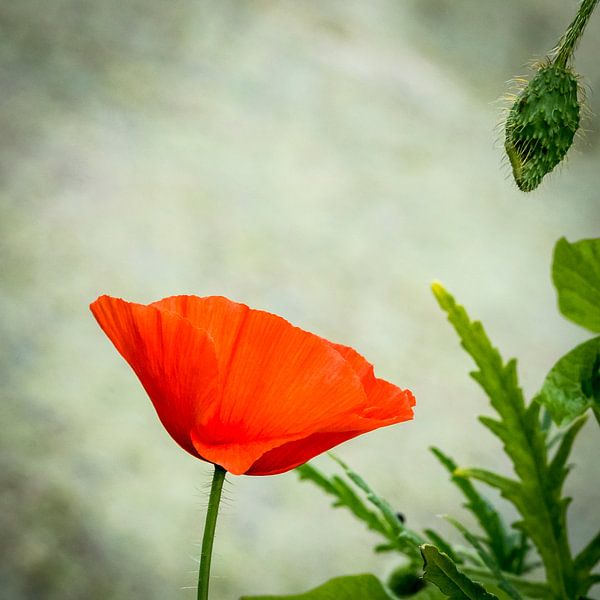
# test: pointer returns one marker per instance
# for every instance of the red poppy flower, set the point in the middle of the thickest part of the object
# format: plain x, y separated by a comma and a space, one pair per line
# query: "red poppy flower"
243, 388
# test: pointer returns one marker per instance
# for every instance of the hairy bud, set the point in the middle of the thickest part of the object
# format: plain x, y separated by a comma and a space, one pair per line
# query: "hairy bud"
541, 124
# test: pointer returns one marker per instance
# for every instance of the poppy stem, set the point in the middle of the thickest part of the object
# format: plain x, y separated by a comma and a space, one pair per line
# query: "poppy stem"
567, 44
209, 531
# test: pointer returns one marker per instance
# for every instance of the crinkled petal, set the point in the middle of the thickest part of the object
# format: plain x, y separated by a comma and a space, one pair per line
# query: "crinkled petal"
237, 457
221, 318
293, 454
384, 400
276, 381
283, 380
175, 361
362, 367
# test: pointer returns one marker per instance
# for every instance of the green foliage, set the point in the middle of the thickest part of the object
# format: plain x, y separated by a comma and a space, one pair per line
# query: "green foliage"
441, 571
586, 561
537, 491
498, 558
576, 276
383, 520
352, 587
508, 548
488, 560
573, 384
443, 545
405, 580
541, 125
529, 589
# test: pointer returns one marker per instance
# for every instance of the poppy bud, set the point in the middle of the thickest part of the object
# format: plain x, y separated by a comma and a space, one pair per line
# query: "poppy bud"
405, 582
541, 124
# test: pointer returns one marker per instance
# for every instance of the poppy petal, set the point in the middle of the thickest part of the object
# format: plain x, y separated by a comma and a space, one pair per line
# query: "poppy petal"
237, 457
303, 385
396, 409
385, 400
282, 383
175, 361
293, 454
221, 318
362, 367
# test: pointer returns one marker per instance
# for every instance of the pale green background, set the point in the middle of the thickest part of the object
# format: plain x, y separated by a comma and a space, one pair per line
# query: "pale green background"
325, 160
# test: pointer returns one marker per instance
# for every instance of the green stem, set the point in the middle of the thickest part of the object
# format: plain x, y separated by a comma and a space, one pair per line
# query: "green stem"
569, 40
209, 532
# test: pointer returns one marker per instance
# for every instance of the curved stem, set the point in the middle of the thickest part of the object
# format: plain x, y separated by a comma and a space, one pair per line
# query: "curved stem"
209, 532
569, 40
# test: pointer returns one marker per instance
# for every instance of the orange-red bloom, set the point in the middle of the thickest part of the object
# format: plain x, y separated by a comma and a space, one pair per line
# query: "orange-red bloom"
243, 388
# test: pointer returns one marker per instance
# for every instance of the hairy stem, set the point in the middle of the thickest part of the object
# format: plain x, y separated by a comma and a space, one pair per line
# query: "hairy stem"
569, 41
209, 531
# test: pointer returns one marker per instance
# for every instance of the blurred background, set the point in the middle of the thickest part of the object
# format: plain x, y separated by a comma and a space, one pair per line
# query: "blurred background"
324, 160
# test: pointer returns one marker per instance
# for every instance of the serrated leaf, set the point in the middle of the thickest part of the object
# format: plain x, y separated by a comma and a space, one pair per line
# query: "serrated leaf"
442, 572
542, 509
443, 545
509, 488
530, 589
573, 384
558, 470
488, 560
384, 521
576, 276
495, 426
344, 497
589, 557
407, 540
503, 544
354, 587
521, 551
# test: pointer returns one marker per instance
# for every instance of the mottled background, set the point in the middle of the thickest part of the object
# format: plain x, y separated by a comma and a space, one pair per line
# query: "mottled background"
325, 160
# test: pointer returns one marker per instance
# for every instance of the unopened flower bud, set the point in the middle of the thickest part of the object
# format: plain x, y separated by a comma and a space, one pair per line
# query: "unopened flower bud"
541, 124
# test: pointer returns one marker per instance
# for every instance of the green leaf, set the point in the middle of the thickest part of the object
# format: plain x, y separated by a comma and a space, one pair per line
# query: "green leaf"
576, 276
536, 493
442, 572
585, 562
504, 545
508, 487
558, 469
353, 587
408, 541
530, 589
488, 560
344, 497
443, 545
589, 557
384, 521
573, 384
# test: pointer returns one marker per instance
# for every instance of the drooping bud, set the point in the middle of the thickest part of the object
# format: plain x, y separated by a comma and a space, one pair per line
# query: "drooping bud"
541, 124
